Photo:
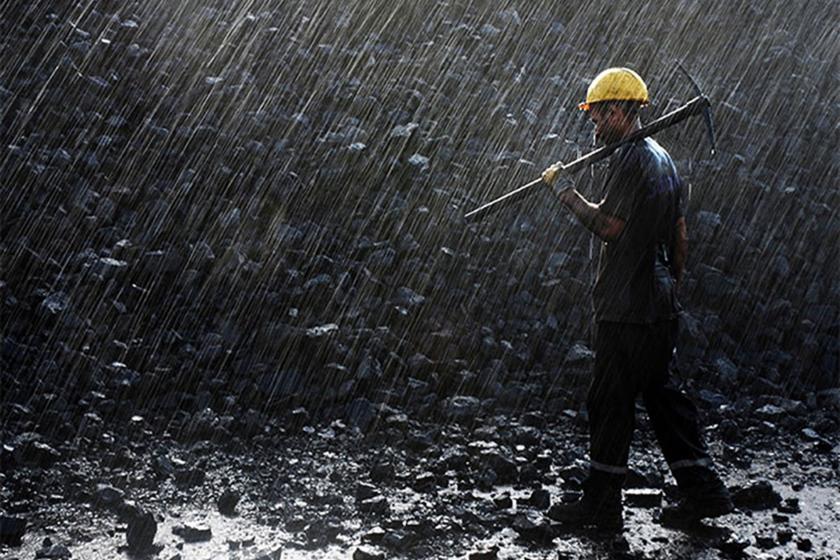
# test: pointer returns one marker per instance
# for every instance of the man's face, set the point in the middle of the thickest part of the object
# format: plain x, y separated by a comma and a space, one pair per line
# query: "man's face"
609, 122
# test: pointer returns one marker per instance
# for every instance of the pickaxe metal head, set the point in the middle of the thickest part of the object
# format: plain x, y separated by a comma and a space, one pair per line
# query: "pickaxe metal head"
707, 112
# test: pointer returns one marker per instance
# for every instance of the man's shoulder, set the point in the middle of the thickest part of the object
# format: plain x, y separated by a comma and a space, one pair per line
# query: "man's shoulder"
651, 149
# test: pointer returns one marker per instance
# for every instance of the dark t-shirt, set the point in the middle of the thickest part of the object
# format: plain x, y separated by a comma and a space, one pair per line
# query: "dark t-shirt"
635, 283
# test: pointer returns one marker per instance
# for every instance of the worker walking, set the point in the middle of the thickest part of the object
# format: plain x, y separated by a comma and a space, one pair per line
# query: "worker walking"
642, 226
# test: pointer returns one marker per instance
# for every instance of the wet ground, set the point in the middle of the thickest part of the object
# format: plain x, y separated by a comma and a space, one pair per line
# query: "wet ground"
411, 491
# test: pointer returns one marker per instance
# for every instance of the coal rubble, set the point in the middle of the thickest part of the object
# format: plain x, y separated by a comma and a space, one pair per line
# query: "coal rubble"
241, 309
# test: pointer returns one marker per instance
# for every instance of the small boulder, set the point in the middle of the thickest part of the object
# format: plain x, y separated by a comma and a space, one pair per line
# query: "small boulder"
12, 530
141, 531
227, 502
758, 496
193, 533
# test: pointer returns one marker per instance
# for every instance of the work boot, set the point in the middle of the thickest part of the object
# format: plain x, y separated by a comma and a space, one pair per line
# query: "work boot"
700, 502
599, 507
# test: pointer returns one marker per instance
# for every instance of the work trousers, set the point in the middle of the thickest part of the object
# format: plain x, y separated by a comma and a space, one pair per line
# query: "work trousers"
631, 359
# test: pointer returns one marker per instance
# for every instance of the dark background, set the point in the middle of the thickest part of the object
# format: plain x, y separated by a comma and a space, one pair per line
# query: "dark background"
253, 206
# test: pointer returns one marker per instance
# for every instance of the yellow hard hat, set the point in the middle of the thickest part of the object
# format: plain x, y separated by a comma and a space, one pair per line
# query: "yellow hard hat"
615, 84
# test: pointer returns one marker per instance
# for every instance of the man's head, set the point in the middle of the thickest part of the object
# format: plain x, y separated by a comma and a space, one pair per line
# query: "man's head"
614, 119
613, 101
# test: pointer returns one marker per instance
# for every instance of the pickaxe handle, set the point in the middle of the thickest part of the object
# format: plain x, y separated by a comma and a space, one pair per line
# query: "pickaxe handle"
694, 107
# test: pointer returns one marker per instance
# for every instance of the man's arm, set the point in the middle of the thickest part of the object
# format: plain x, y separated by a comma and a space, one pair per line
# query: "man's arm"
605, 226
680, 249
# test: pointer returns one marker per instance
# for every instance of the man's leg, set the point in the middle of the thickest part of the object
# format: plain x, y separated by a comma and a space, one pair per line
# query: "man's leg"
611, 406
611, 401
675, 421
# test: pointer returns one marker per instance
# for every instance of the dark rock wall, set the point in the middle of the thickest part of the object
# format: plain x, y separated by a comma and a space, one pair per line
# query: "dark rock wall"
264, 200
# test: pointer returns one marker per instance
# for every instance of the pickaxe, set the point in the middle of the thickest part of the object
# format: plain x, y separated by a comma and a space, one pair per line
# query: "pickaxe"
697, 106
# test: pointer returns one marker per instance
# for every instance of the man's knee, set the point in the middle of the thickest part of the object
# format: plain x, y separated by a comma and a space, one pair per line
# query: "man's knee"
610, 398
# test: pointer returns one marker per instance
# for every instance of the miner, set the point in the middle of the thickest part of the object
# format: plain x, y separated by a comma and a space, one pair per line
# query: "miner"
642, 226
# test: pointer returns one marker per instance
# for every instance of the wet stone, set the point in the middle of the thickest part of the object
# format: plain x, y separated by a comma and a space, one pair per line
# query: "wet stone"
108, 495
419, 441
489, 554
382, 472
193, 533
365, 491
504, 467
765, 542
503, 501
377, 504
784, 536
534, 529
643, 497
187, 478
374, 536
789, 506
758, 496
31, 452
367, 553
460, 407
401, 539
12, 530
52, 551
141, 530
539, 499
734, 546
425, 482
227, 502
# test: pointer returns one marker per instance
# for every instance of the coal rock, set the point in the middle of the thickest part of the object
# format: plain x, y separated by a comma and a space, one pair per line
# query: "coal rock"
730, 431
758, 496
408, 297
187, 478
504, 467
193, 533
461, 408
377, 504
53, 551
534, 529
804, 544
107, 495
425, 482
382, 472
227, 502
489, 554
733, 546
30, 451
400, 539
784, 536
361, 413
539, 499
419, 441
365, 491
503, 501
12, 530
789, 506
141, 531
643, 497
367, 553
374, 536
765, 542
